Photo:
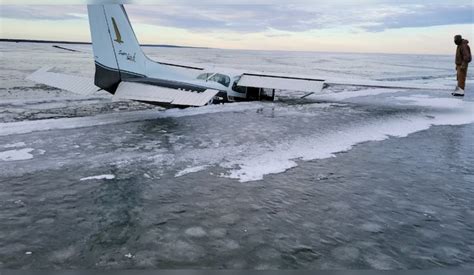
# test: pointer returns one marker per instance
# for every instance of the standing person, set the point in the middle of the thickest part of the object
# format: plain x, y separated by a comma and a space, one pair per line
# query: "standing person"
463, 57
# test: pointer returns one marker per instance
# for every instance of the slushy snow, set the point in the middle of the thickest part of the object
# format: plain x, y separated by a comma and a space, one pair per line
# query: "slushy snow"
13, 155
14, 145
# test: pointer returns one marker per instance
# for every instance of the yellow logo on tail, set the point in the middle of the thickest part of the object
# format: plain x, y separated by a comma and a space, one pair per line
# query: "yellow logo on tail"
117, 32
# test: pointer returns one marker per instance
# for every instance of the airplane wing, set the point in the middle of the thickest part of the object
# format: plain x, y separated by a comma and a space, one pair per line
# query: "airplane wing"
311, 85
277, 82
384, 84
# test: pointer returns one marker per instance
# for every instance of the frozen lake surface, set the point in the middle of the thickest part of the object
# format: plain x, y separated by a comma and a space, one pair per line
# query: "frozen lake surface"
348, 179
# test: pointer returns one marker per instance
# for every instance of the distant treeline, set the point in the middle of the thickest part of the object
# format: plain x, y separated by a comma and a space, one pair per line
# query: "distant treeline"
86, 43
42, 41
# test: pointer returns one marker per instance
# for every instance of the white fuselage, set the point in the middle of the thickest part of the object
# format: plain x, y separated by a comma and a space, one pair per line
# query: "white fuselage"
224, 82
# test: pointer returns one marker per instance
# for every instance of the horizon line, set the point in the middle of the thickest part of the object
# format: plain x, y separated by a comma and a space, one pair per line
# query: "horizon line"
46, 41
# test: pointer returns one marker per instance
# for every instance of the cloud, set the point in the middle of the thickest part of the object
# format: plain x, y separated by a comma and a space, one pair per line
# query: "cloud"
367, 16
297, 18
239, 18
426, 16
43, 12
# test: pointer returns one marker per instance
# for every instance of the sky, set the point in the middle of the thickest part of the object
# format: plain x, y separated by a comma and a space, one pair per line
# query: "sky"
415, 26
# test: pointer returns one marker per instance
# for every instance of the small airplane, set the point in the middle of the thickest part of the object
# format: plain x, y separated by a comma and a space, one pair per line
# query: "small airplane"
123, 69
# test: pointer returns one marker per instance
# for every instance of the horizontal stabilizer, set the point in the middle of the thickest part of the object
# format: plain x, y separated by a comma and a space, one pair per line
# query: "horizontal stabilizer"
75, 84
281, 82
71, 49
149, 93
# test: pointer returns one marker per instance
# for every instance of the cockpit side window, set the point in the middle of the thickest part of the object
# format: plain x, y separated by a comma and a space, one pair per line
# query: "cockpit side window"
204, 76
238, 89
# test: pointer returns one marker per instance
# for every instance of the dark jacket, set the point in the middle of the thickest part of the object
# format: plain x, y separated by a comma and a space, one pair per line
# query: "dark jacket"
463, 54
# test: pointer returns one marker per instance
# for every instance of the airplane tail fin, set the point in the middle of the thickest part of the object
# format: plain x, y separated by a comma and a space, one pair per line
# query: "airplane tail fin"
117, 52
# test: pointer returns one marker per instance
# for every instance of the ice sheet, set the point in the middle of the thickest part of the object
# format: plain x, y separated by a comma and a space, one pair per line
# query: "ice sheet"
124, 117
248, 146
351, 94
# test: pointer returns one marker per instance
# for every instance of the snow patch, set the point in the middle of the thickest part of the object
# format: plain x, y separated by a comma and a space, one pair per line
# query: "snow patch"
99, 177
439, 103
190, 170
284, 156
195, 232
13, 155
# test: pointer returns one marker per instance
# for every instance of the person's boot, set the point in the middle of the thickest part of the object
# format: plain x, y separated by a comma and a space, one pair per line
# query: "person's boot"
458, 92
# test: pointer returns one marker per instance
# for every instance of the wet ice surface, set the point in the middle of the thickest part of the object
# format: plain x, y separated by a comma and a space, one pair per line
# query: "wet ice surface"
362, 179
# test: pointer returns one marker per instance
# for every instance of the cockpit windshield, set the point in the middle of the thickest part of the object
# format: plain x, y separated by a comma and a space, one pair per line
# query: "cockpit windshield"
219, 78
